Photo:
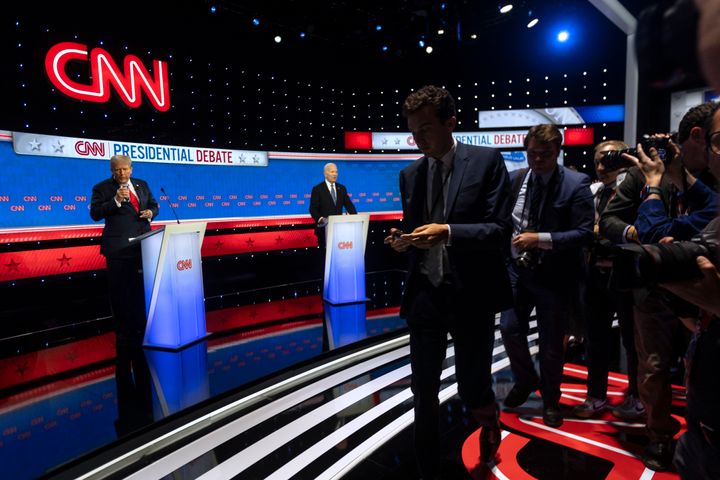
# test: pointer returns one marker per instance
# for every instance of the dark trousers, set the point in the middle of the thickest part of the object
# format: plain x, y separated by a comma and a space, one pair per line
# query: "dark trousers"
435, 312
551, 301
603, 303
656, 328
127, 298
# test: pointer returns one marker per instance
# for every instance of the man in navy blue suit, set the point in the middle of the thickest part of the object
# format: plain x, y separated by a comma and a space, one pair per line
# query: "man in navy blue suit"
553, 217
457, 215
127, 206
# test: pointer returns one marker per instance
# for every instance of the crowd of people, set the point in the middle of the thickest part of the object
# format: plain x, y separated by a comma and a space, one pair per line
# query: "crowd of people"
556, 231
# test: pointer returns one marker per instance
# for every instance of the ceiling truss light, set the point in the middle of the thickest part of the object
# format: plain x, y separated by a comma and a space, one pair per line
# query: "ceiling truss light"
533, 22
428, 49
506, 8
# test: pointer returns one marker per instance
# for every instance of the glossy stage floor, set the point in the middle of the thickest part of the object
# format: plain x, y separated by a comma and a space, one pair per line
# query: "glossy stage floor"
285, 388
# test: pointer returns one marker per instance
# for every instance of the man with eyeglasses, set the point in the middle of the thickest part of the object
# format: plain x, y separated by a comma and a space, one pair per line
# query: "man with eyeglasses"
696, 452
657, 202
553, 217
127, 206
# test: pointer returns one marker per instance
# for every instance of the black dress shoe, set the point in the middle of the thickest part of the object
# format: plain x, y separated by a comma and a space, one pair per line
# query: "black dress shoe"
490, 437
552, 417
517, 395
658, 456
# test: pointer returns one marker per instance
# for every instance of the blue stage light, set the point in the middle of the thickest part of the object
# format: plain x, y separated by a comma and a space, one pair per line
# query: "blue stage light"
384, 48
256, 21
378, 27
563, 36
213, 9
302, 34
421, 43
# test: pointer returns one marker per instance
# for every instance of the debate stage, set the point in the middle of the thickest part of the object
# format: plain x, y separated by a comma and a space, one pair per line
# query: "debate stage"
284, 388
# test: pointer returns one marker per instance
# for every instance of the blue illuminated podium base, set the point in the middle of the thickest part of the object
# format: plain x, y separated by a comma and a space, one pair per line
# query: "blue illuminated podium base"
345, 259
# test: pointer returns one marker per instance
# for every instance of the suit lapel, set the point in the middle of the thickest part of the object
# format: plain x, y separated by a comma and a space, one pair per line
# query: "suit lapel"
459, 165
418, 183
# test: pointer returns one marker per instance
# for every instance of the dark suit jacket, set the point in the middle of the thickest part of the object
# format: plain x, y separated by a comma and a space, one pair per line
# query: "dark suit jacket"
121, 222
321, 203
568, 214
478, 212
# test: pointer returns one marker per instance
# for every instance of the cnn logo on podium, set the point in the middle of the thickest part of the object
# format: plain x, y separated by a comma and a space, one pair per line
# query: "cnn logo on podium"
184, 264
345, 245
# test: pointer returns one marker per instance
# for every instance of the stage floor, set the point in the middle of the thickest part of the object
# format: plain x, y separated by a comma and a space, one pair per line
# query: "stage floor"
285, 388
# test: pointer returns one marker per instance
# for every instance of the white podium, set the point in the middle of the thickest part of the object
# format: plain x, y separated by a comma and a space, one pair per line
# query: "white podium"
345, 258
174, 297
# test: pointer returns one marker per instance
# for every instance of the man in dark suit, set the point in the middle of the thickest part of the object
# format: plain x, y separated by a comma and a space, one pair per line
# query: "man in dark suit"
553, 216
127, 206
456, 210
328, 198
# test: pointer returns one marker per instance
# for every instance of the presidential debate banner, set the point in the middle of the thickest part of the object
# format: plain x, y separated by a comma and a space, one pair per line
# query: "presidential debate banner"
48, 180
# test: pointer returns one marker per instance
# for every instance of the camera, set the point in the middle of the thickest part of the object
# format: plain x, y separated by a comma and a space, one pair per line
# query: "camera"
638, 266
527, 259
613, 159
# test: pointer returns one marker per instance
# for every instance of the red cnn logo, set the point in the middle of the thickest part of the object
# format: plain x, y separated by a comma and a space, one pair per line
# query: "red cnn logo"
85, 148
184, 264
129, 83
345, 245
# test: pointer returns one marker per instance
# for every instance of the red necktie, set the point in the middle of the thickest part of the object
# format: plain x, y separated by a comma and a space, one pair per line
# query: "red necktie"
134, 201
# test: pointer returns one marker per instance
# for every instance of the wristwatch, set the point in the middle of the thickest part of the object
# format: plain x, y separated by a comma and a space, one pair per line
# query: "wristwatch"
647, 191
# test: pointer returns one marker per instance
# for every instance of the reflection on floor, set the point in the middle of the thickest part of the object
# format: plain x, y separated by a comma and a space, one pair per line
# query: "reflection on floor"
284, 389
598, 448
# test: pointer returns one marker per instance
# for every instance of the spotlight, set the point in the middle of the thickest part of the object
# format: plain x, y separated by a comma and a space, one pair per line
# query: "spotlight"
428, 49
384, 48
278, 39
506, 8
441, 32
213, 9
378, 27
256, 21
533, 22
302, 34
421, 43
563, 36
473, 36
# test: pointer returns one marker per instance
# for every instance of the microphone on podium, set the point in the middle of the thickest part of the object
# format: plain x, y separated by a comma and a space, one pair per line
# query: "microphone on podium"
170, 204
126, 186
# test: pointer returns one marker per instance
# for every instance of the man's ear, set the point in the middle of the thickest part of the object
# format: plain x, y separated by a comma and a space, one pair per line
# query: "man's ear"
697, 135
451, 122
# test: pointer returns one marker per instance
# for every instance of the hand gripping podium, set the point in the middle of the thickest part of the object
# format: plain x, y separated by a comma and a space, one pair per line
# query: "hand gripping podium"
345, 258
174, 297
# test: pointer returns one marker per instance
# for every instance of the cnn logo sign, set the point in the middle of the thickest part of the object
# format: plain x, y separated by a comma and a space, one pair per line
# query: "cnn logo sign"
129, 83
184, 264
345, 245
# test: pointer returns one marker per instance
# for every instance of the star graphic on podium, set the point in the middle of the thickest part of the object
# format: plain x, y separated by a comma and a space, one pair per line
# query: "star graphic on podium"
58, 147
279, 239
13, 266
71, 356
64, 260
250, 242
218, 245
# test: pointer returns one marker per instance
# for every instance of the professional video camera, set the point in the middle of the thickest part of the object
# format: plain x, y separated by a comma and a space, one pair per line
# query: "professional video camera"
637, 266
613, 159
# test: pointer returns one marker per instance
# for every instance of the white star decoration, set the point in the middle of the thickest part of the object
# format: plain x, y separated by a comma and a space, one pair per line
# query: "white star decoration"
35, 145
58, 147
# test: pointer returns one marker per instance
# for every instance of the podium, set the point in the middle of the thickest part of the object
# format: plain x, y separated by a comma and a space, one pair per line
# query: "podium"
345, 258
172, 275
